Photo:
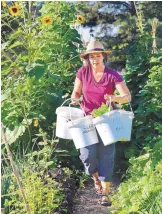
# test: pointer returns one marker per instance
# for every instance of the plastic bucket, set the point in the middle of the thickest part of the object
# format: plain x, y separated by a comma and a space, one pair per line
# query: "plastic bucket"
109, 127
115, 125
126, 118
64, 114
83, 132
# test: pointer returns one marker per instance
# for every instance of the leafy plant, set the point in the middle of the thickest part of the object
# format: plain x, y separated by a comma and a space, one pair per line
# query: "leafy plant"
101, 110
38, 62
142, 191
43, 195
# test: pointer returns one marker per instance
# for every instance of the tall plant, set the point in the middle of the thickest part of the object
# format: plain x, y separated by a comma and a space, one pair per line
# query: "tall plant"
142, 189
40, 48
38, 62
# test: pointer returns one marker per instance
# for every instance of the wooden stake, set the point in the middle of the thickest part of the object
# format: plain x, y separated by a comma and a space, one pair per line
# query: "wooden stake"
154, 26
15, 171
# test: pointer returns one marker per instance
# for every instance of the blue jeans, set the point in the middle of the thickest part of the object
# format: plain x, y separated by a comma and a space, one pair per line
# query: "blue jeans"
99, 158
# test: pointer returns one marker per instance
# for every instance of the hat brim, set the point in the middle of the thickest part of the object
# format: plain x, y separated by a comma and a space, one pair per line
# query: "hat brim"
83, 55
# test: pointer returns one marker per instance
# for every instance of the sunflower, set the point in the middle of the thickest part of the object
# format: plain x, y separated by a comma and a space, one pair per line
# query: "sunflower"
80, 19
4, 4
36, 123
14, 10
47, 20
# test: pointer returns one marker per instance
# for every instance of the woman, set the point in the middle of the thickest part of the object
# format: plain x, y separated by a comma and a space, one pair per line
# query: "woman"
97, 83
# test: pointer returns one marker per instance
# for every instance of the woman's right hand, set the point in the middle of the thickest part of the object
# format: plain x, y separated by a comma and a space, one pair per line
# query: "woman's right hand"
75, 101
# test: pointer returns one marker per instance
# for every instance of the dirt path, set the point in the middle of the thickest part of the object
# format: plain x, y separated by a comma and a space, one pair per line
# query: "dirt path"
87, 202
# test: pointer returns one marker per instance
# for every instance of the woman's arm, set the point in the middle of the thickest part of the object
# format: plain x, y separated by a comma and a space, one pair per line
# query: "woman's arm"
77, 91
123, 91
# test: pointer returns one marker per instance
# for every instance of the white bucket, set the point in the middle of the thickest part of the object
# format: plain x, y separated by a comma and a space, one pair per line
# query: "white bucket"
64, 114
109, 127
115, 125
126, 119
83, 132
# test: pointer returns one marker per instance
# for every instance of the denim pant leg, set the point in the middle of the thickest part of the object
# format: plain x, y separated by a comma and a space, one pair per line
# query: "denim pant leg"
106, 155
88, 156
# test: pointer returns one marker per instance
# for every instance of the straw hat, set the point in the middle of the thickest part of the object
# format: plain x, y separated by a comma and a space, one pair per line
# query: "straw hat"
94, 47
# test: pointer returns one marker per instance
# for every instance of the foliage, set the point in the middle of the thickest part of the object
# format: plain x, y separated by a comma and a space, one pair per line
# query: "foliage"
40, 55
142, 191
143, 77
33, 169
38, 63
117, 24
43, 196
101, 110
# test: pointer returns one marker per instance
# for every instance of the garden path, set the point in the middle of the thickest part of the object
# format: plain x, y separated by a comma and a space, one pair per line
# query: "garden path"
87, 202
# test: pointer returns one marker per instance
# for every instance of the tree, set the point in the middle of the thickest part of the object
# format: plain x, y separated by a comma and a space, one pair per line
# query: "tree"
124, 20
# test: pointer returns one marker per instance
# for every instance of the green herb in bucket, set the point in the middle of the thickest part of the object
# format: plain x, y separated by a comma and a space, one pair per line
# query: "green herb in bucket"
101, 110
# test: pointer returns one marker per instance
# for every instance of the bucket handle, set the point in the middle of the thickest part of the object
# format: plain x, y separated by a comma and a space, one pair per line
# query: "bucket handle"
65, 101
125, 95
77, 99
109, 105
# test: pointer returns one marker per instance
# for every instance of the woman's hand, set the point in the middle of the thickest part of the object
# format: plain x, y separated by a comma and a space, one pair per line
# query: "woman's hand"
75, 101
108, 97
117, 98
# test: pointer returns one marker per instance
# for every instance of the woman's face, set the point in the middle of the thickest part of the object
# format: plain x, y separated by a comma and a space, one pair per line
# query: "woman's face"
96, 59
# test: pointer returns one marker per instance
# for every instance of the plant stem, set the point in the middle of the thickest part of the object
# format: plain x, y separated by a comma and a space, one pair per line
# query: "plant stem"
26, 119
29, 37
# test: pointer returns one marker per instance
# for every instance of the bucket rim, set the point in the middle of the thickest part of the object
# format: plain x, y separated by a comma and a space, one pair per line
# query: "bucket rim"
76, 121
67, 107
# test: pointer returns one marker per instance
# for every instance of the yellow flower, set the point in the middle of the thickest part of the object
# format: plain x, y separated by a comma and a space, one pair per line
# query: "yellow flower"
4, 4
80, 19
47, 20
15, 10
36, 123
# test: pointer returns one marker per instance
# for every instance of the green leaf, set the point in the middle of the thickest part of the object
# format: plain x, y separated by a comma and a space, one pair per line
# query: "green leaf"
18, 43
38, 71
15, 35
101, 110
49, 163
11, 136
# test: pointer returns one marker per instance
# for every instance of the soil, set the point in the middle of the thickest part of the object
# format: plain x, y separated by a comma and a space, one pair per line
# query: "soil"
87, 202
80, 200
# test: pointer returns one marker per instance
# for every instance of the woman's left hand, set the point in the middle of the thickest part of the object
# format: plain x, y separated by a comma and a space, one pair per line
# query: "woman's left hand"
108, 97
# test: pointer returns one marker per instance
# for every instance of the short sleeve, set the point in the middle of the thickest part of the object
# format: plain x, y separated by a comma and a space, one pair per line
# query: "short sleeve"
117, 78
79, 74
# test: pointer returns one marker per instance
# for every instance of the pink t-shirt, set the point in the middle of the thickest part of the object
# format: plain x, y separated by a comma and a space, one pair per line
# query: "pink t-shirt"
93, 92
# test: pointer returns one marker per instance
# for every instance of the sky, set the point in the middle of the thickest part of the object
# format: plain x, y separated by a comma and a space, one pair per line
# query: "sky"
84, 32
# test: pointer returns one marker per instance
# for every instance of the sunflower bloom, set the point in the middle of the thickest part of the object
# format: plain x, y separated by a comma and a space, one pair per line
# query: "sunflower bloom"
47, 20
4, 4
80, 19
15, 10
36, 123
